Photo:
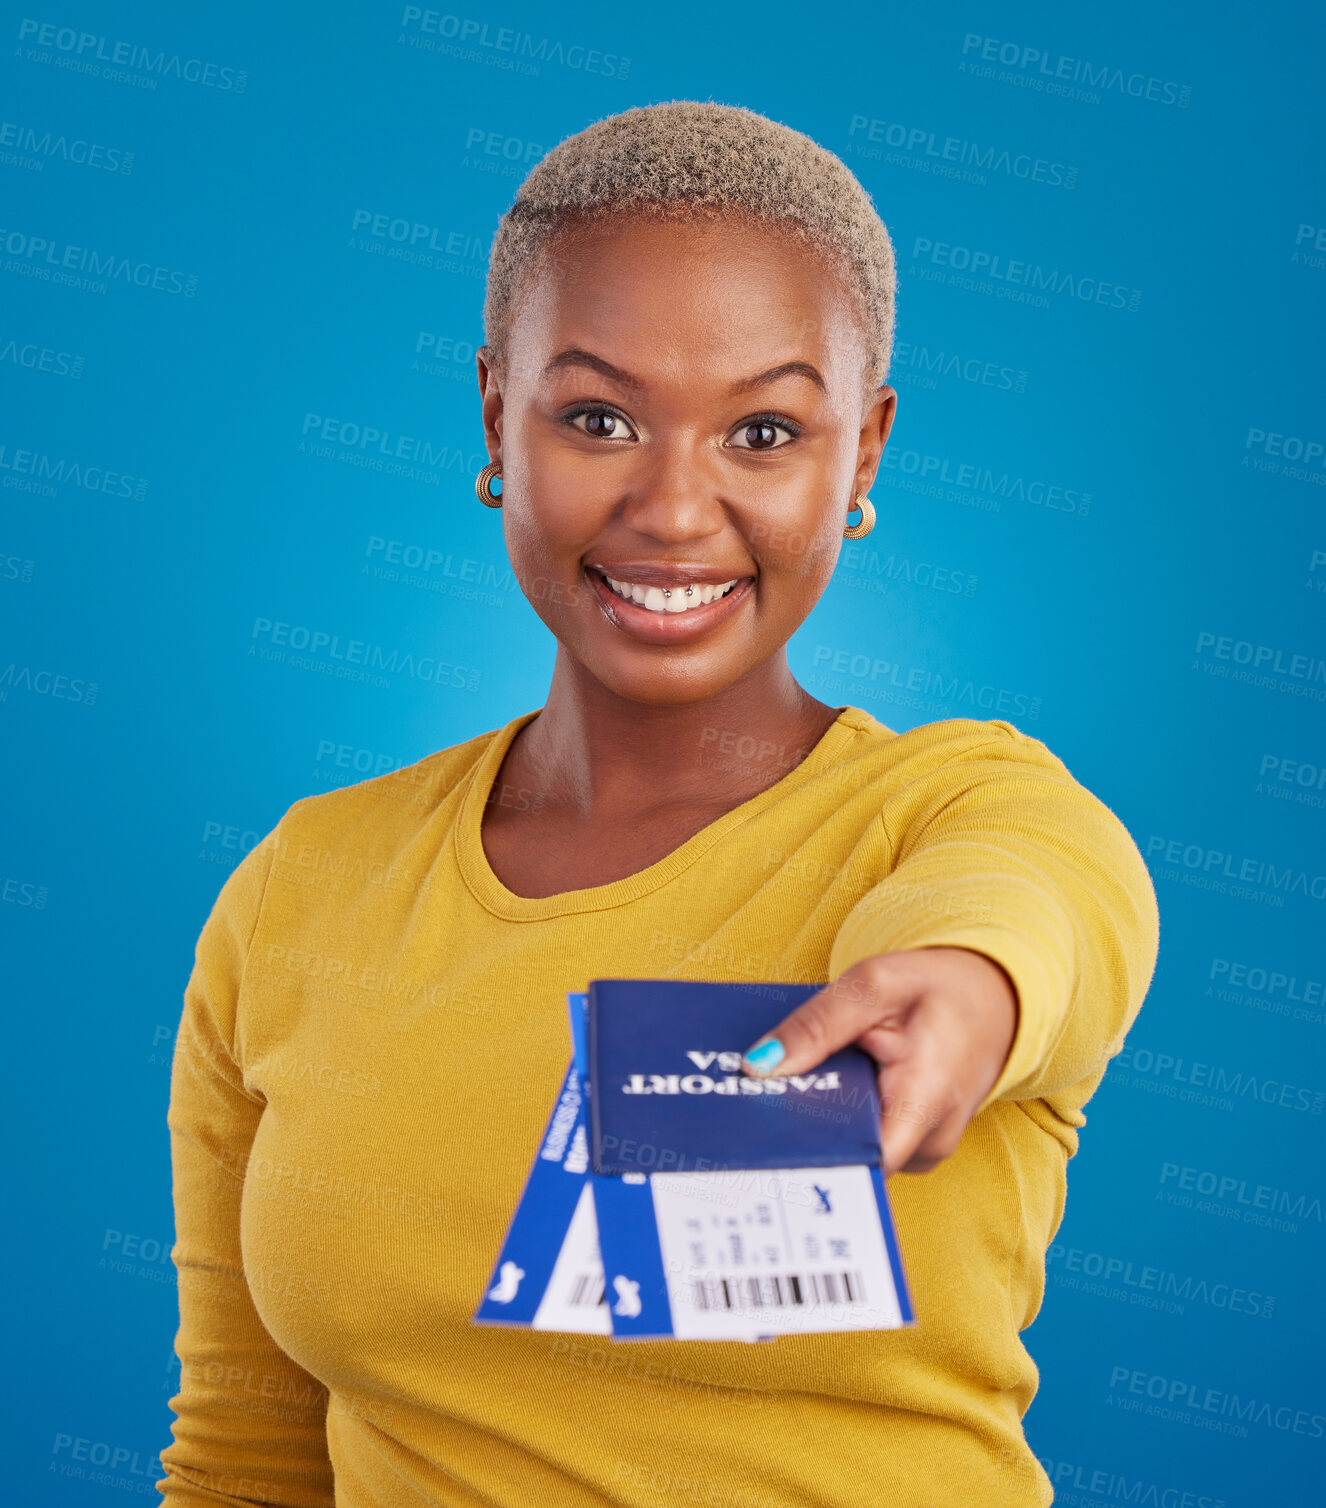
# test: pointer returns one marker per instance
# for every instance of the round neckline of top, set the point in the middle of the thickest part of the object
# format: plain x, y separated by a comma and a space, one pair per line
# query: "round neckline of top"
494, 896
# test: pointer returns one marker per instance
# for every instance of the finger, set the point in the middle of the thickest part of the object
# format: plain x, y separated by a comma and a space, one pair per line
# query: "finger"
920, 1115
837, 1015
938, 1143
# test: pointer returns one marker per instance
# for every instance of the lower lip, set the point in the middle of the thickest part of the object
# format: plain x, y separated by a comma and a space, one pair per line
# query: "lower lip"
669, 628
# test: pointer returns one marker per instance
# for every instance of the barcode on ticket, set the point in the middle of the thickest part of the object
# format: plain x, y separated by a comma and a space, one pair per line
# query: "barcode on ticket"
587, 1291
778, 1292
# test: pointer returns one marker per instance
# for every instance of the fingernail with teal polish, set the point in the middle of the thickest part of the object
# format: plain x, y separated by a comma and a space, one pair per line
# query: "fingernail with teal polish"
765, 1056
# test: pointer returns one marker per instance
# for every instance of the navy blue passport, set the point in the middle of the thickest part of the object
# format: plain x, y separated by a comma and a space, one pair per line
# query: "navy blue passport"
667, 1094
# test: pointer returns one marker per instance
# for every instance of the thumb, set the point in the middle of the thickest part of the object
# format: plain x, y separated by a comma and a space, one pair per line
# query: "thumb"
840, 1013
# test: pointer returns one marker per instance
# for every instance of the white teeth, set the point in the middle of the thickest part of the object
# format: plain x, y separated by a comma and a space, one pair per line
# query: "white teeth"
671, 599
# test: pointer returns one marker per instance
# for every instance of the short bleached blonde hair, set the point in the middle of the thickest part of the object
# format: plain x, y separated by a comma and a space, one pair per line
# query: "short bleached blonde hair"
687, 157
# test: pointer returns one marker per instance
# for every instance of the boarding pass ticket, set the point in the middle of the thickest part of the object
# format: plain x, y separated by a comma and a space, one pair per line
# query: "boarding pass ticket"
722, 1254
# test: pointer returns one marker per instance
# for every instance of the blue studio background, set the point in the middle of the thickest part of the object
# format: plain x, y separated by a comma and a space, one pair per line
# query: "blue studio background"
242, 254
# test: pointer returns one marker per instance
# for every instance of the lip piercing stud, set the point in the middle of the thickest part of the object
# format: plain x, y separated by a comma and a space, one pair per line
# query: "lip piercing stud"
666, 592
690, 590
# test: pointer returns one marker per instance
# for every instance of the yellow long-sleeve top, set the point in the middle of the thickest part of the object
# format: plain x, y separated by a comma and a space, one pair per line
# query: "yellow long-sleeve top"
375, 1031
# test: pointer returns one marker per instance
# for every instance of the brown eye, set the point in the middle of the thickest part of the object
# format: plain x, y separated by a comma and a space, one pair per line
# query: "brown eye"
760, 434
602, 425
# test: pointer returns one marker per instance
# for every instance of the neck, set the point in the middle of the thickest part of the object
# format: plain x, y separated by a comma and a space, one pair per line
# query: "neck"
595, 753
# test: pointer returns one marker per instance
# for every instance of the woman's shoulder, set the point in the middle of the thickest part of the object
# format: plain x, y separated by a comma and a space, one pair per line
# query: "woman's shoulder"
947, 741
387, 807
933, 761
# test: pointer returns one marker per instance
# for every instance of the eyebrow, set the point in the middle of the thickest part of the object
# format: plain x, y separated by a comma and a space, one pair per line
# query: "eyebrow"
784, 369
574, 356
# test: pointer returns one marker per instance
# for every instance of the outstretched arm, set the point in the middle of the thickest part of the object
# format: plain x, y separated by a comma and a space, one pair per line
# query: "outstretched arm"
1004, 957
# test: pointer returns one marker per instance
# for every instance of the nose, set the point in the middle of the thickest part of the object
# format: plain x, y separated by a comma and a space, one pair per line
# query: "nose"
674, 495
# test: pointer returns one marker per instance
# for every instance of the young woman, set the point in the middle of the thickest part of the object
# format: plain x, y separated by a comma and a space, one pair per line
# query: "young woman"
688, 323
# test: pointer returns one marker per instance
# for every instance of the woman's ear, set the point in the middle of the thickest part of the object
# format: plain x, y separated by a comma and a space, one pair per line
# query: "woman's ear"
875, 427
490, 396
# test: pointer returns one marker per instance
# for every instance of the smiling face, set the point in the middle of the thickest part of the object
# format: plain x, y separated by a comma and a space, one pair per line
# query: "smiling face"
680, 424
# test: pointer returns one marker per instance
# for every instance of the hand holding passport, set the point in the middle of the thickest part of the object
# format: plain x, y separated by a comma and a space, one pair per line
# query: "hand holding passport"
672, 1196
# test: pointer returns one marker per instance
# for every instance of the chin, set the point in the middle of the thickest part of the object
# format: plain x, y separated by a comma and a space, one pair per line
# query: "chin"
665, 680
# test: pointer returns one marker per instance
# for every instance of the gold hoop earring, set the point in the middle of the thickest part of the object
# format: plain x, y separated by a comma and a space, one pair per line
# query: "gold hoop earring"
859, 531
483, 485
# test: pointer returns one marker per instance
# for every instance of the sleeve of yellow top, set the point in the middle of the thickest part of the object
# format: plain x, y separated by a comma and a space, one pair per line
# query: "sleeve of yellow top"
1001, 851
251, 1425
